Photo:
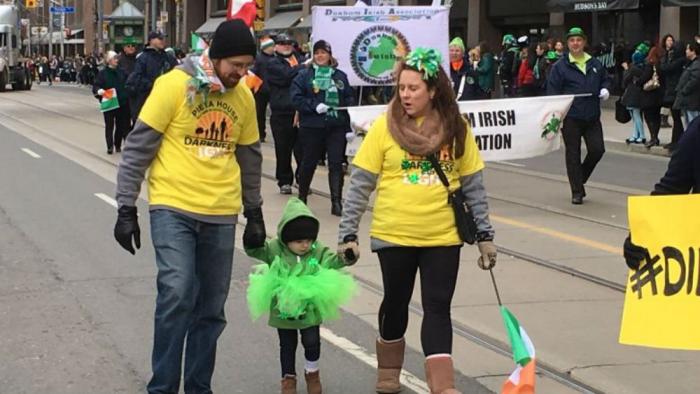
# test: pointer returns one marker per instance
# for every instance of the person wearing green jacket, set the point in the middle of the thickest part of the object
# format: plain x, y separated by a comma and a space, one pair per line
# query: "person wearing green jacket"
300, 285
486, 70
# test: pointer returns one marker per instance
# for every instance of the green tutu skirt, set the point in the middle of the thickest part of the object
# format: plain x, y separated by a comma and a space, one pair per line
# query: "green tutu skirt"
292, 290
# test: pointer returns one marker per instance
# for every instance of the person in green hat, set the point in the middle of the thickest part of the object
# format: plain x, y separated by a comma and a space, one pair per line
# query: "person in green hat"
580, 73
508, 68
462, 74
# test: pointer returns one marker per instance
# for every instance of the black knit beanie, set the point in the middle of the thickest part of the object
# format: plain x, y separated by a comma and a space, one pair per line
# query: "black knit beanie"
322, 44
232, 38
303, 227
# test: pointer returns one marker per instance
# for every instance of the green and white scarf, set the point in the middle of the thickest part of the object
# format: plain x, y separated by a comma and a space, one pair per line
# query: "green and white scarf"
323, 81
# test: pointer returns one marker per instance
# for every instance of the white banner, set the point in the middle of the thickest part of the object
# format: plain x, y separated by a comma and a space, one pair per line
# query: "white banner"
504, 129
366, 41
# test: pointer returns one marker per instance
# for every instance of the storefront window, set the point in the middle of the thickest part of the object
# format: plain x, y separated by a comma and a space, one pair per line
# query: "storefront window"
219, 6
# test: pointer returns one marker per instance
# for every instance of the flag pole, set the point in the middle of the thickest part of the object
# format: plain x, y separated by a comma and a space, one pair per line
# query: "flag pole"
493, 280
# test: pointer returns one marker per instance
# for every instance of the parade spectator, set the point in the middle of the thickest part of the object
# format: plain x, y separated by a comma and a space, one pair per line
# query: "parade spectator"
508, 68
117, 124
670, 69
682, 177
262, 96
298, 304
462, 73
150, 64
525, 79
413, 226
316, 93
652, 95
580, 73
559, 49
486, 71
281, 72
53, 69
127, 59
632, 96
540, 68
195, 196
687, 95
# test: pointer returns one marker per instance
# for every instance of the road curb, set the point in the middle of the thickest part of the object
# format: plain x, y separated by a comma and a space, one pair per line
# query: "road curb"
621, 146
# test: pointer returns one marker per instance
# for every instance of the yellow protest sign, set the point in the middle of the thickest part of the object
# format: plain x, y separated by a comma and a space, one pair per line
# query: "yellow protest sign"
662, 302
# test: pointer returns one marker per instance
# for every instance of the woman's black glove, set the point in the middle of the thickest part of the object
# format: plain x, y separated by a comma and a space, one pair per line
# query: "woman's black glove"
634, 254
127, 227
254, 234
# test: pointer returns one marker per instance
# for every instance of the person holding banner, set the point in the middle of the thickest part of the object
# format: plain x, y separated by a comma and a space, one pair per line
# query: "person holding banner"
682, 177
316, 91
413, 226
580, 73
117, 121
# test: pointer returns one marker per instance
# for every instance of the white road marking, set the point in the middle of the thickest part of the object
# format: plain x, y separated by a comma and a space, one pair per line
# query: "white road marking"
109, 200
408, 379
31, 153
508, 163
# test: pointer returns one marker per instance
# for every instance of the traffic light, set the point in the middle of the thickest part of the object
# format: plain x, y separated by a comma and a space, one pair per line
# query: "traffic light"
31, 3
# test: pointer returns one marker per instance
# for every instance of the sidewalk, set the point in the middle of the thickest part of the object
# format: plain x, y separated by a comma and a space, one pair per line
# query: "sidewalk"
616, 133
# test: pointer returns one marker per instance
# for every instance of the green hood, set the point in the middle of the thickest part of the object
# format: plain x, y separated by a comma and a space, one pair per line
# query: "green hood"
295, 208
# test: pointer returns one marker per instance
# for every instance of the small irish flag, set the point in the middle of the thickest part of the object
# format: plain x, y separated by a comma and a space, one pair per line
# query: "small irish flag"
242, 9
109, 100
197, 43
522, 380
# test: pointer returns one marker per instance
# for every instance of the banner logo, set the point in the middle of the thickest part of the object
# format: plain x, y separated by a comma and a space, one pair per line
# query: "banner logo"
374, 53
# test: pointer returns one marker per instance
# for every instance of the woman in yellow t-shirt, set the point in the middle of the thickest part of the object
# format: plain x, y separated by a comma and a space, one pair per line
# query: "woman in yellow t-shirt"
413, 226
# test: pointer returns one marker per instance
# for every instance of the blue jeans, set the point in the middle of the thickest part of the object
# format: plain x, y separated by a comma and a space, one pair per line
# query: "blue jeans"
638, 132
194, 262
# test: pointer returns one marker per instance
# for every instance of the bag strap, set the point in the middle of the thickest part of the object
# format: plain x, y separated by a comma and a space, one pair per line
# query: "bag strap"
436, 165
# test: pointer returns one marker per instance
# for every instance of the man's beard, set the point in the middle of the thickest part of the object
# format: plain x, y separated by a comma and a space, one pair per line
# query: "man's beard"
285, 53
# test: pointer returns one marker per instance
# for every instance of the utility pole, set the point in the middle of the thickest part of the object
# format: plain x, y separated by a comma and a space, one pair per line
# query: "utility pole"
154, 13
100, 24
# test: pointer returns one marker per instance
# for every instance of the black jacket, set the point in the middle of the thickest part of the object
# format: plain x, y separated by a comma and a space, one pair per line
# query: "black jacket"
649, 99
127, 63
261, 69
467, 75
280, 76
671, 68
683, 173
305, 100
150, 64
111, 78
566, 78
688, 88
632, 95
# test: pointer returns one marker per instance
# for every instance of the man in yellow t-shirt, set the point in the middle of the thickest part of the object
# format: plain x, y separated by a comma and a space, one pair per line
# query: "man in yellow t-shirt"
198, 135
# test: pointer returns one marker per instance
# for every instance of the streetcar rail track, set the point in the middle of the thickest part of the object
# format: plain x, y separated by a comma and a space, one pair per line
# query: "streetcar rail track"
479, 338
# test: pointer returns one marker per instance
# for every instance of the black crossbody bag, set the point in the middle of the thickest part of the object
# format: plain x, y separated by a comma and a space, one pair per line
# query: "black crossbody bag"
466, 226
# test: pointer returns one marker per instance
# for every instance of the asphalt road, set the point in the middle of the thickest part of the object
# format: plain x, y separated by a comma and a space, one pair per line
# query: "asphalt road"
76, 311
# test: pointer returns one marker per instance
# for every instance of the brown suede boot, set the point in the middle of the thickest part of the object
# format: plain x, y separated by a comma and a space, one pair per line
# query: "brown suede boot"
389, 364
313, 382
440, 375
289, 384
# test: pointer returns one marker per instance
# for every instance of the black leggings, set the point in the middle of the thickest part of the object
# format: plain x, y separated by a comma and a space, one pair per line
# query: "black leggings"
653, 118
310, 338
438, 275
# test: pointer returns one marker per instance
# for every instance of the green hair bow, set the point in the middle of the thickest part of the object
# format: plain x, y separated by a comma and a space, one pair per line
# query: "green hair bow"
425, 60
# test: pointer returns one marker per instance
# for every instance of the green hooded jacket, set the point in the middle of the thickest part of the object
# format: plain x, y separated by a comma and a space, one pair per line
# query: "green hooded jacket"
275, 247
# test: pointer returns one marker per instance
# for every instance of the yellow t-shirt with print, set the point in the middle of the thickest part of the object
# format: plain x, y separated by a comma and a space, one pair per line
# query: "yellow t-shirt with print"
195, 168
411, 207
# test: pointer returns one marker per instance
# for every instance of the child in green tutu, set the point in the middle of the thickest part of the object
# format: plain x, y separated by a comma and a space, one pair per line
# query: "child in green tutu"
300, 285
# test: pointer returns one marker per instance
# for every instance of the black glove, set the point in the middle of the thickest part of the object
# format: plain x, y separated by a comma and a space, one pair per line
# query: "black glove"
349, 250
127, 227
634, 254
254, 233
